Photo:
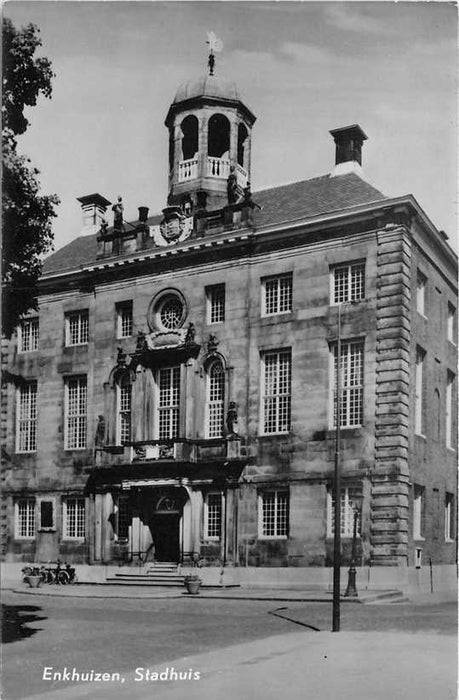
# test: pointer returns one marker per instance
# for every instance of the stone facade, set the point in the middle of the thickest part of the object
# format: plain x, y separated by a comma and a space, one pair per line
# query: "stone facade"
253, 488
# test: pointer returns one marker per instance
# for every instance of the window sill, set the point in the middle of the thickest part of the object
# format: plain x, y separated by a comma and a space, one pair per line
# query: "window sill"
420, 436
273, 537
418, 538
79, 540
26, 452
264, 436
24, 539
449, 541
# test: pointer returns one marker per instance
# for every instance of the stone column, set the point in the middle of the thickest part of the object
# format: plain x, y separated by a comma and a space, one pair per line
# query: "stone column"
98, 515
196, 520
107, 530
389, 497
229, 523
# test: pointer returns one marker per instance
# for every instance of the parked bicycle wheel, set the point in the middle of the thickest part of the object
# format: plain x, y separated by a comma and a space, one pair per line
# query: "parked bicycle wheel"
63, 578
49, 576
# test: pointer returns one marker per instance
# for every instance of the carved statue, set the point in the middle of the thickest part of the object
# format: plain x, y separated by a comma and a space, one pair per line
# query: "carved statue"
121, 357
231, 418
190, 333
118, 210
212, 343
231, 186
103, 226
248, 198
141, 343
100, 432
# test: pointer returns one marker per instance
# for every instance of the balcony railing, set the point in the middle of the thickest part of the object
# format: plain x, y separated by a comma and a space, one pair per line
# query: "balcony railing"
220, 167
188, 170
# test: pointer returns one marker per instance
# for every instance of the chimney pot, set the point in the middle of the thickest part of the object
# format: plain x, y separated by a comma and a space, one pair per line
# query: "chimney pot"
143, 214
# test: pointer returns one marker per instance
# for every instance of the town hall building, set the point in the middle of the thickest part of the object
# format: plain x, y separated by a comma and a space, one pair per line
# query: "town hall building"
174, 400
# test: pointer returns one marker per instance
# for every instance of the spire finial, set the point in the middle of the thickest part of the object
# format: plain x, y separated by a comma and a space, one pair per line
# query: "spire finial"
215, 45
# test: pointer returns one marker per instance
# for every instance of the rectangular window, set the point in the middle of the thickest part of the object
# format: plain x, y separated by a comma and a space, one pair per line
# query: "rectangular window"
348, 282
25, 518
26, 430
418, 512
74, 518
123, 518
77, 328
449, 409
124, 412
28, 335
213, 516
75, 413
451, 323
449, 517
169, 402
419, 391
124, 319
350, 495
276, 295
46, 515
215, 303
351, 381
273, 509
421, 283
276, 391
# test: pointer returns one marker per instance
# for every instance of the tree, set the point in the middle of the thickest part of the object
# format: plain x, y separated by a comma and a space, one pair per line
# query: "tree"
27, 215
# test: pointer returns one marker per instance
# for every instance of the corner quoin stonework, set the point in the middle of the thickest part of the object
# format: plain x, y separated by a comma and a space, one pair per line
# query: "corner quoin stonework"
390, 482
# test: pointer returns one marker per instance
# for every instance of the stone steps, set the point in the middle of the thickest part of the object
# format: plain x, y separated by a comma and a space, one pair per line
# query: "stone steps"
164, 574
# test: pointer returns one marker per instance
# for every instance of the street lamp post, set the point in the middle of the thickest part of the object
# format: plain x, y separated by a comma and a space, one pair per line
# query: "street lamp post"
351, 590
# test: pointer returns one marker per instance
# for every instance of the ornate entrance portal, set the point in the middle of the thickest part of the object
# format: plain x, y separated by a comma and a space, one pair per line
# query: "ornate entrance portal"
165, 529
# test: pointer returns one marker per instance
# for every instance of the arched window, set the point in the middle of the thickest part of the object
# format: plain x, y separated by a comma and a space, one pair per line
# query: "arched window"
219, 136
123, 409
215, 399
190, 141
242, 135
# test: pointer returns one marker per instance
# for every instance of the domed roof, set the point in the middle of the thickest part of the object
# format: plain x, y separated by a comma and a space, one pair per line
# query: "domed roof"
207, 86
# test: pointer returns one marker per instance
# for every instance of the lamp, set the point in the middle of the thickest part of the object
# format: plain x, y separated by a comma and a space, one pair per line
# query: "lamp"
356, 504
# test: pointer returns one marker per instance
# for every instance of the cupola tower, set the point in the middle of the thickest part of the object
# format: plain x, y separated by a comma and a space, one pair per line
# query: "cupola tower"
210, 132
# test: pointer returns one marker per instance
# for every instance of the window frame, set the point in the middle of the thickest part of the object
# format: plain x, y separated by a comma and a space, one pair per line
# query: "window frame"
172, 408
449, 517
123, 414
419, 391
449, 409
218, 404
418, 512
347, 295
67, 380
451, 323
31, 421
421, 293
215, 304
348, 392
279, 294
276, 396
31, 501
65, 518
207, 536
121, 308
33, 338
82, 328
278, 492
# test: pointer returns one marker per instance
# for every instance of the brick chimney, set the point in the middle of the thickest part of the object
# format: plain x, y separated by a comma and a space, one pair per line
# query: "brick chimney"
349, 141
93, 207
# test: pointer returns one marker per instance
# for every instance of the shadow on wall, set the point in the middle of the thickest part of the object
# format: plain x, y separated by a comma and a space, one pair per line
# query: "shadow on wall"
15, 619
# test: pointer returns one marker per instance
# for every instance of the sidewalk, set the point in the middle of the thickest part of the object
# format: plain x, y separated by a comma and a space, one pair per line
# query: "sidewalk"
318, 595
306, 666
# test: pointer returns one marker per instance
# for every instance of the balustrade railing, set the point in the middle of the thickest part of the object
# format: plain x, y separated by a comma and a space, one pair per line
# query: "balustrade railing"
188, 169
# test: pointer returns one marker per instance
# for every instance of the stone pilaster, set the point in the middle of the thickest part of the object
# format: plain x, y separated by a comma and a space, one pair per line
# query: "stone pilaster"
389, 495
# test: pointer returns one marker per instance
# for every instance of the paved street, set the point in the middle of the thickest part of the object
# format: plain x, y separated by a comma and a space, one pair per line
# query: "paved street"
226, 640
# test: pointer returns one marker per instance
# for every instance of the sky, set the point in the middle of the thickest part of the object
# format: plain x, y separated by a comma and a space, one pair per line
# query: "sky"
303, 68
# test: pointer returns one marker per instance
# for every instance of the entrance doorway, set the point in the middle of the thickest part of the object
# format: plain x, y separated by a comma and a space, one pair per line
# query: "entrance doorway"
165, 528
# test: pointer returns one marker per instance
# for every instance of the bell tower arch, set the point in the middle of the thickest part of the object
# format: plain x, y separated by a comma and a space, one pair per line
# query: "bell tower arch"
210, 130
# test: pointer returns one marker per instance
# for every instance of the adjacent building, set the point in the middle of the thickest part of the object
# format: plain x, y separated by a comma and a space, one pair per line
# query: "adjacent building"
174, 399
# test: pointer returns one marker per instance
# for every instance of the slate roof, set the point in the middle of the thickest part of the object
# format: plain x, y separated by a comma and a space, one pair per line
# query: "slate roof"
305, 199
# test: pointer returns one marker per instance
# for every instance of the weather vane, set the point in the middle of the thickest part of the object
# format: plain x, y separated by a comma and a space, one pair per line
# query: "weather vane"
215, 45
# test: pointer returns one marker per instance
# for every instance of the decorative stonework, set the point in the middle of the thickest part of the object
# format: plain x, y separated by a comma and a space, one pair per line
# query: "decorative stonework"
389, 497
